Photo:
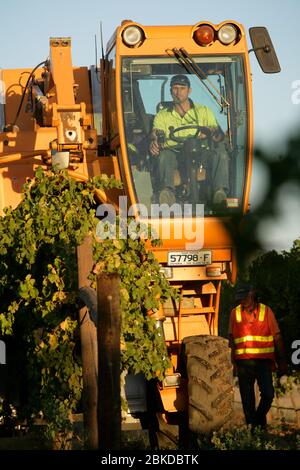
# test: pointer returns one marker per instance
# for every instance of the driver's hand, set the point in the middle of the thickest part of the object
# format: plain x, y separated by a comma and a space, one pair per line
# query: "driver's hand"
217, 134
154, 148
202, 136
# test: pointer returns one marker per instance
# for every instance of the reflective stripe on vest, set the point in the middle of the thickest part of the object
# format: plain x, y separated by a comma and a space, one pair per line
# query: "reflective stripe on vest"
254, 350
261, 317
253, 338
262, 311
238, 314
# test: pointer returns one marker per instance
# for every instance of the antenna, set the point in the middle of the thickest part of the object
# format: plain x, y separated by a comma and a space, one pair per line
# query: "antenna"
101, 40
96, 54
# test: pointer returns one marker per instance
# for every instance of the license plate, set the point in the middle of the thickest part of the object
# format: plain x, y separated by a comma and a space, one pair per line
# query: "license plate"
189, 258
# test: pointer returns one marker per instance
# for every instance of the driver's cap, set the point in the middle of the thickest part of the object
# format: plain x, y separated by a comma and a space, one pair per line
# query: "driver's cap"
180, 80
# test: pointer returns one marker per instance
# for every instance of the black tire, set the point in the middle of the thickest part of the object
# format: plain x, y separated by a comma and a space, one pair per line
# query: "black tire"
210, 382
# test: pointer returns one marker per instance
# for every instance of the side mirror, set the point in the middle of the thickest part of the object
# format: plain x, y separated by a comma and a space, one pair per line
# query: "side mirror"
264, 49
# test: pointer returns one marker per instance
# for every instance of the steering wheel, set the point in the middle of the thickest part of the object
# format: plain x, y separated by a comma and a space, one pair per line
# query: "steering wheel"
198, 129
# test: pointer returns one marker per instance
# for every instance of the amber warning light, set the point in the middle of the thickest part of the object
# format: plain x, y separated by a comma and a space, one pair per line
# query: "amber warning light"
204, 35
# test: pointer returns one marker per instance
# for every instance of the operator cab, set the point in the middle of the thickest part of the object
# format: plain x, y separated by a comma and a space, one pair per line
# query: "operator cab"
218, 84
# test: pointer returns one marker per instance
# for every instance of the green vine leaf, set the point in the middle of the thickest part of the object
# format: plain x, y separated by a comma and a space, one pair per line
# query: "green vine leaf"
38, 289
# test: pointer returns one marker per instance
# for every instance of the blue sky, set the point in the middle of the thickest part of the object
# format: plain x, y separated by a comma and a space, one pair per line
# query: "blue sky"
27, 26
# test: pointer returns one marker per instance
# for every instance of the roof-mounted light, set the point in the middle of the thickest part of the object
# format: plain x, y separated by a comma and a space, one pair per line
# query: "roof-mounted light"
132, 36
204, 35
227, 34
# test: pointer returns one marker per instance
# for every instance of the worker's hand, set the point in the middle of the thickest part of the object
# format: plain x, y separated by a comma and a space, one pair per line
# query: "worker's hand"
154, 148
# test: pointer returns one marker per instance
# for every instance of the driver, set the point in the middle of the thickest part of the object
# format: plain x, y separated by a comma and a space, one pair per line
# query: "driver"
183, 112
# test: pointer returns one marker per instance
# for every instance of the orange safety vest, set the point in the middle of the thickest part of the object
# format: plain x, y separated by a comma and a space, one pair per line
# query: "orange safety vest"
252, 341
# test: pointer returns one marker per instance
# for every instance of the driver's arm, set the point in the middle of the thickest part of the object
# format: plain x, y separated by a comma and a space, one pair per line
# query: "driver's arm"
154, 146
207, 119
159, 128
217, 134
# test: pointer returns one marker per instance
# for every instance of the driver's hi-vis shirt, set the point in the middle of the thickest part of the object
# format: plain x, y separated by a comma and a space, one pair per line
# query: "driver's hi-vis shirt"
197, 115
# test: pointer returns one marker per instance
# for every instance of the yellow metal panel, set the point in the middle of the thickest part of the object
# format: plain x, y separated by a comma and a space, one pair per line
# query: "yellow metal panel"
209, 288
62, 70
193, 325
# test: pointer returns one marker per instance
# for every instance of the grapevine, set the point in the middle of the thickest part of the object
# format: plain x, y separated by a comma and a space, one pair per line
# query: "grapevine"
39, 291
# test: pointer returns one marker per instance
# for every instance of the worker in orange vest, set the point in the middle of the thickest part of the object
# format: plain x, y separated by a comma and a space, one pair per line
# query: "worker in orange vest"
257, 348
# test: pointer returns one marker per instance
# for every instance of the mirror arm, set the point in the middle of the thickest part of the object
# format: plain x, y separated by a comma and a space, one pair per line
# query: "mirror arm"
264, 48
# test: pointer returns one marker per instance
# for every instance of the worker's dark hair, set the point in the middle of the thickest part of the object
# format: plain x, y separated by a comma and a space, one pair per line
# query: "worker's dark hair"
243, 289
